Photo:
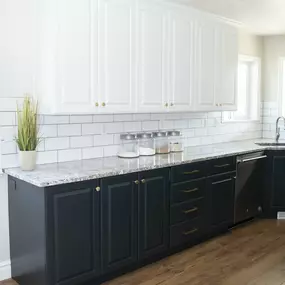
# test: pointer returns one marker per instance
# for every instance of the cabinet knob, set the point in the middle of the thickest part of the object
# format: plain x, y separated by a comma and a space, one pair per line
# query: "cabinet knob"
98, 189
137, 182
143, 181
97, 104
171, 104
217, 105
221, 105
103, 104
166, 105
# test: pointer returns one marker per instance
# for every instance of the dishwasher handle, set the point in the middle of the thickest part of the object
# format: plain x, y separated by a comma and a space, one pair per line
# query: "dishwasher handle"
240, 160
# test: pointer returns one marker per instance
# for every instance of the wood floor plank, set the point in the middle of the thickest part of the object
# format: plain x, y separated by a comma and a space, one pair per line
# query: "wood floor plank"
252, 255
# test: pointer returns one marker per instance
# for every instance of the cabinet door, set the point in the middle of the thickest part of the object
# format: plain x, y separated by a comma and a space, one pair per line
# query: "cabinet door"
73, 230
205, 65
221, 201
153, 212
116, 55
226, 67
182, 61
76, 83
119, 222
278, 183
152, 57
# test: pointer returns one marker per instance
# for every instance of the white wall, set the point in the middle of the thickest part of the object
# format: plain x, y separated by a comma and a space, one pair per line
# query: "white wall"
274, 48
18, 75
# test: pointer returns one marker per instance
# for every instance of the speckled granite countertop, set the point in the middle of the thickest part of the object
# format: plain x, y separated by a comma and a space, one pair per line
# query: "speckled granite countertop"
68, 172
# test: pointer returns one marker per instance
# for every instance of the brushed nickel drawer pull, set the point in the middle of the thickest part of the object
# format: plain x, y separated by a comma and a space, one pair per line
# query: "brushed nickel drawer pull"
221, 166
191, 210
190, 232
191, 191
191, 172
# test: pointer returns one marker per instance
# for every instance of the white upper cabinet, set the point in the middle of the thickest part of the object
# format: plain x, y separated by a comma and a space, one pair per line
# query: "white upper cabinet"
226, 67
68, 45
126, 56
117, 55
152, 53
205, 65
182, 55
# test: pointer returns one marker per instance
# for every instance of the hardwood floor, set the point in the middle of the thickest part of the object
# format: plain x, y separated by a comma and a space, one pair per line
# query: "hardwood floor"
251, 255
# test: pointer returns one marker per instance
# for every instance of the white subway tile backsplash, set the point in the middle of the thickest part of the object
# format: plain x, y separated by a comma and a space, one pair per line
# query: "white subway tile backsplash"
101, 140
48, 131
56, 143
150, 125
92, 129
132, 127
181, 124
69, 130
80, 119
10, 160
123, 118
7, 118
166, 125
46, 157
55, 120
69, 155
196, 123
81, 142
110, 150
114, 128
103, 118
9, 147
8, 133
92, 152
141, 117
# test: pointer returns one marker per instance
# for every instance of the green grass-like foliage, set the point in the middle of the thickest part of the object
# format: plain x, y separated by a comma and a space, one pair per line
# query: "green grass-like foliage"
28, 139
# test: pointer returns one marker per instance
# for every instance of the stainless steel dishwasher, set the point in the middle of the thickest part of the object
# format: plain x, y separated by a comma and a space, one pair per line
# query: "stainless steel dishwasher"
249, 186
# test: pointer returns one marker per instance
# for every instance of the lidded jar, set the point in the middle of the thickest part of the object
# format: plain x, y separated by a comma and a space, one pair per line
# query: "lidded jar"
146, 144
175, 141
128, 146
161, 143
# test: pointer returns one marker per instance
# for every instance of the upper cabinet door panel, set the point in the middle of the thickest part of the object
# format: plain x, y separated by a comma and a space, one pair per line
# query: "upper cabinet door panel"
76, 88
182, 61
152, 55
226, 66
205, 65
116, 55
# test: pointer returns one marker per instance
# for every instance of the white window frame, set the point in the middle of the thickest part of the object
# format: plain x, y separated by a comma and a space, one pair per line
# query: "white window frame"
229, 116
281, 87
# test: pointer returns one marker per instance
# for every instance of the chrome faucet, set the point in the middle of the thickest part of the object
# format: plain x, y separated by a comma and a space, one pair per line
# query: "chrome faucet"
278, 129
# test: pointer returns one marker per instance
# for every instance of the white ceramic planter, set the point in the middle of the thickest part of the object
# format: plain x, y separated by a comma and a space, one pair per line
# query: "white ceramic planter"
28, 160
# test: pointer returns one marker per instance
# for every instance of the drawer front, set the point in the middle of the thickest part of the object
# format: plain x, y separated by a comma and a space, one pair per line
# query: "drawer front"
222, 165
185, 191
187, 211
186, 232
188, 172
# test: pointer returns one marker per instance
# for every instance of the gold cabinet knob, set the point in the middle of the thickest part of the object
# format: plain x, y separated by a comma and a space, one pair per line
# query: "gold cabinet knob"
143, 181
97, 104
166, 105
103, 104
98, 189
137, 182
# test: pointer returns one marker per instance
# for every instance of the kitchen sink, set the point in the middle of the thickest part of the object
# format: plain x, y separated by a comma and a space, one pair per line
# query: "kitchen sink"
271, 144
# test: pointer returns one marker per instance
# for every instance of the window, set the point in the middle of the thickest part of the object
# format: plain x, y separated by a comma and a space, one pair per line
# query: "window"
248, 91
282, 87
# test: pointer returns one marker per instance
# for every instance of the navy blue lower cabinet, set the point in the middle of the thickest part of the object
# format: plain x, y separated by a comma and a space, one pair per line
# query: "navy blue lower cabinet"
153, 213
119, 222
74, 235
220, 195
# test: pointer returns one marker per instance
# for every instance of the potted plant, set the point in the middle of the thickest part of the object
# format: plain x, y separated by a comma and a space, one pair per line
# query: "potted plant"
28, 139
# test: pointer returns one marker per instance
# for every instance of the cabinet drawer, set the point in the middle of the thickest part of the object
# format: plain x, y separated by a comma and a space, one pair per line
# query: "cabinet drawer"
188, 172
186, 232
222, 165
186, 211
185, 191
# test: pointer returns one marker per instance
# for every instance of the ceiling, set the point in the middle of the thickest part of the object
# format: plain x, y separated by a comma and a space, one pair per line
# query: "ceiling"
264, 17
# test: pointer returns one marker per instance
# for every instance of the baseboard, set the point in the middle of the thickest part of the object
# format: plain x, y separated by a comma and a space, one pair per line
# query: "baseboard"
5, 270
